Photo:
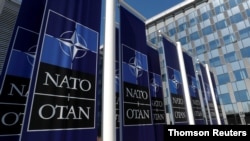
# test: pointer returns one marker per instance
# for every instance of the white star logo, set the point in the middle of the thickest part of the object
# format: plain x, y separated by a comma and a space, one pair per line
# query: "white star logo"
135, 67
117, 74
193, 86
175, 81
76, 44
154, 85
31, 54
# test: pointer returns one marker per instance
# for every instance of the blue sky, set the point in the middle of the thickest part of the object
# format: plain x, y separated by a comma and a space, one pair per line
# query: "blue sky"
149, 8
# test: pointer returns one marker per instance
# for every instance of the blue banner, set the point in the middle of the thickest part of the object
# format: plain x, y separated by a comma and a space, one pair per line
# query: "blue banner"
156, 92
204, 100
16, 74
217, 97
175, 83
136, 116
193, 90
208, 94
62, 100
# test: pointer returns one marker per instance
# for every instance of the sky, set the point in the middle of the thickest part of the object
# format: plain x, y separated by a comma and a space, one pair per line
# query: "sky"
149, 8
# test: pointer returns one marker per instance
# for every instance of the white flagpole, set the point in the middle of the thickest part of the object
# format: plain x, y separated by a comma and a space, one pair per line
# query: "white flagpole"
213, 95
108, 91
185, 85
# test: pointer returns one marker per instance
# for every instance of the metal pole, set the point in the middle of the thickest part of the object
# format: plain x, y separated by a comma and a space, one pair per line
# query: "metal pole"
108, 92
185, 85
213, 95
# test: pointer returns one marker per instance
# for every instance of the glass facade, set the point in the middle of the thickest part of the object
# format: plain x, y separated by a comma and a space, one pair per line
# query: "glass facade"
216, 32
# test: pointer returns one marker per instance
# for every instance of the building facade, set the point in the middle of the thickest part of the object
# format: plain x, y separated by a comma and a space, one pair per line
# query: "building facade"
217, 33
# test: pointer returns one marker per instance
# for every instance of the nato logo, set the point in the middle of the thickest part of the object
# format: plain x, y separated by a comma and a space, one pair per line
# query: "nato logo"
117, 77
193, 87
23, 53
174, 81
155, 84
135, 66
208, 92
73, 46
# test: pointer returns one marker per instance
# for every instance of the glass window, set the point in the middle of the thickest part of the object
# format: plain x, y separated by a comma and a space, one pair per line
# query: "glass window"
183, 40
214, 44
153, 38
230, 57
244, 33
241, 96
182, 27
248, 12
229, 109
236, 18
193, 19
171, 32
207, 30
194, 36
206, 15
215, 62
219, 9
246, 106
223, 78
240, 85
221, 24
229, 39
240, 74
245, 52
223, 89
200, 49
233, 3
216, 2
235, 65
225, 98
236, 110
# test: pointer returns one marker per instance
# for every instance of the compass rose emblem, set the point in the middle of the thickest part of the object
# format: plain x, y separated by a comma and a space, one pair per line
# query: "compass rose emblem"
193, 86
154, 85
175, 81
135, 67
31, 54
73, 45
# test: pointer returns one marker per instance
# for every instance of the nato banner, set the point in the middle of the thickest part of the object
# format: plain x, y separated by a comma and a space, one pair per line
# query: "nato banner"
156, 93
208, 95
193, 89
62, 97
15, 78
217, 97
175, 83
136, 116
204, 100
